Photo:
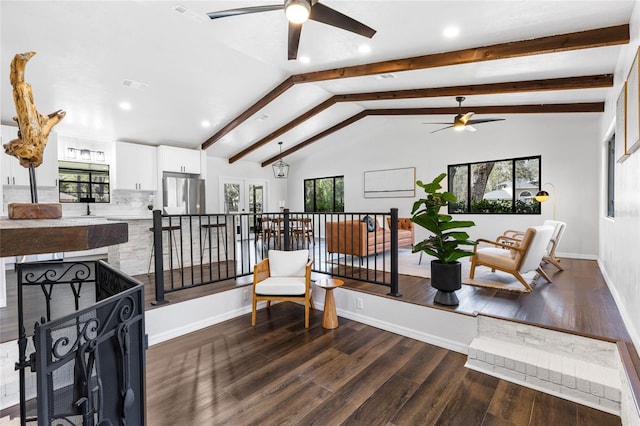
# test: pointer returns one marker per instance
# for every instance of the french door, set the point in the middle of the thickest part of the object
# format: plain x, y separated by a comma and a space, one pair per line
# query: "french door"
243, 196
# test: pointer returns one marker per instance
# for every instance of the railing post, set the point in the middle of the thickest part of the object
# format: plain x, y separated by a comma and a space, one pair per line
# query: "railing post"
394, 253
287, 241
158, 258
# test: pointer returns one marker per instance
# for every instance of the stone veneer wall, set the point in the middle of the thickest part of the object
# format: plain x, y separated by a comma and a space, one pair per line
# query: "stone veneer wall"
580, 369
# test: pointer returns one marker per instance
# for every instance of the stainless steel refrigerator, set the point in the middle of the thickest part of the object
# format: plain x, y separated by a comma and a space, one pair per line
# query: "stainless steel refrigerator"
183, 194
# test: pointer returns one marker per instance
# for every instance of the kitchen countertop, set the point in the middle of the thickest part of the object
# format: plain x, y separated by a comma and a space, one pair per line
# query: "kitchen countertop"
126, 218
122, 217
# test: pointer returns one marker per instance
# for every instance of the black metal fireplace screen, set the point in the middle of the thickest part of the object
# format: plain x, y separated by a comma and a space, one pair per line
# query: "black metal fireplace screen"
84, 362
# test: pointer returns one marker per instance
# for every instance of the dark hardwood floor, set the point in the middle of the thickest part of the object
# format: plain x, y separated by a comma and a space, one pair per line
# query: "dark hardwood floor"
280, 373
577, 301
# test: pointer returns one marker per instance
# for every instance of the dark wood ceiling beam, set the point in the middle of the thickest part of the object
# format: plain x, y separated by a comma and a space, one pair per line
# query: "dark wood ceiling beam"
284, 129
566, 83
600, 37
261, 103
493, 109
496, 109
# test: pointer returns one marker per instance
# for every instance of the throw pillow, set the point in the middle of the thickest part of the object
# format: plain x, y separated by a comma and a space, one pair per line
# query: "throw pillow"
371, 223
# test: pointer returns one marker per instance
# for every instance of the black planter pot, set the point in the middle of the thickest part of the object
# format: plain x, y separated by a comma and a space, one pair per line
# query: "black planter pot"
446, 278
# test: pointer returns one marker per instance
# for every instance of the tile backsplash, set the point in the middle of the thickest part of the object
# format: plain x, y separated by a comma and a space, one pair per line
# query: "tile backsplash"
123, 202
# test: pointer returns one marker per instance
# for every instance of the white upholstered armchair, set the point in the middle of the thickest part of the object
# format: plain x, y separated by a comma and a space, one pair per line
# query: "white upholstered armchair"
283, 276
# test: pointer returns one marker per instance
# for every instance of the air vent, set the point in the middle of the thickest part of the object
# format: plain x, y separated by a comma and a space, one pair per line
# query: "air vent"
180, 9
385, 76
134, 84
263, 117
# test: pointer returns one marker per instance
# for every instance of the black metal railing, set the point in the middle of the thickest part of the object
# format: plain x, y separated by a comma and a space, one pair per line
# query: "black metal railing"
195, 250
87, 346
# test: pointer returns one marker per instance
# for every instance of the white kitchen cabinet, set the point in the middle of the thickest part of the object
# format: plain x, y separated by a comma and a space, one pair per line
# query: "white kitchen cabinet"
179, 160
14, 174
136, 167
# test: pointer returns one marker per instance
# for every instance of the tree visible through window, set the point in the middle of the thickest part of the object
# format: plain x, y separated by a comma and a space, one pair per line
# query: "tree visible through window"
324, 194
83, 181
503, 186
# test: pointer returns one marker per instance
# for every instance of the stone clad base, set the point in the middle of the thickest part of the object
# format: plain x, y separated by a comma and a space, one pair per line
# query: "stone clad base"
576, 368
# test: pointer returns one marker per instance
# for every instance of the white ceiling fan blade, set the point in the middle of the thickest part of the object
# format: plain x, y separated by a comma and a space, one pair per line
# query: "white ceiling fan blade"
470, 128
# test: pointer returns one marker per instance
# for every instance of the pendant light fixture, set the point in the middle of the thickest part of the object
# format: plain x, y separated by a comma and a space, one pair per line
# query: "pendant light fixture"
280, 168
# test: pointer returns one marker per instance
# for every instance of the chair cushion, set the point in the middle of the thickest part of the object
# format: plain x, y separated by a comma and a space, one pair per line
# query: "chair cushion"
288, 263
281, 286
496, 256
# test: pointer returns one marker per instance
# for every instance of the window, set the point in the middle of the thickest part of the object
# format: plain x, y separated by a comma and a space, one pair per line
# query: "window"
497, 187
611, 169
324, 194
83, 182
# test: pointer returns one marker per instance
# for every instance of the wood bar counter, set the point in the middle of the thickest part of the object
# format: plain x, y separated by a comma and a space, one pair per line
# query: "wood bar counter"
36, 236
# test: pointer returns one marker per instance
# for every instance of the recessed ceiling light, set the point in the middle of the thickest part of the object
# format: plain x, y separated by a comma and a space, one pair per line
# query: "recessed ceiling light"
304, 59
450, 32
205, 123
364, 49
125, 106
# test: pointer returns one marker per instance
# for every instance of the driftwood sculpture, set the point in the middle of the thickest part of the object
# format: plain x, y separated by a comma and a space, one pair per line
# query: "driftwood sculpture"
33, 127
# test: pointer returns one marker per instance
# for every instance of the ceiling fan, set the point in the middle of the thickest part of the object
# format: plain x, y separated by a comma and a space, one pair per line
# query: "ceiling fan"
297, 12
462, 121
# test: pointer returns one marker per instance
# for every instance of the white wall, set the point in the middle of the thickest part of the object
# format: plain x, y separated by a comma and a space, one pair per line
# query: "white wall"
619, 236
568, 143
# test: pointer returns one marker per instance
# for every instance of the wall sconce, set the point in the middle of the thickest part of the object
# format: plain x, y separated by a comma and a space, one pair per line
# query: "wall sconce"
280, 168
543, 196
70, 153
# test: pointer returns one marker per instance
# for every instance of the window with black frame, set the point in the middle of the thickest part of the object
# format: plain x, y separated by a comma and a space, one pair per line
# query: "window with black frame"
324, 194
496, 187
83, 182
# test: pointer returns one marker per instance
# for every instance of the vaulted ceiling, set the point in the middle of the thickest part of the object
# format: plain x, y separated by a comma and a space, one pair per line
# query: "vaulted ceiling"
176, 68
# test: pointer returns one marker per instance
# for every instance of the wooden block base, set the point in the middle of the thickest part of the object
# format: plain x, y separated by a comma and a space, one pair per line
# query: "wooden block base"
35, 211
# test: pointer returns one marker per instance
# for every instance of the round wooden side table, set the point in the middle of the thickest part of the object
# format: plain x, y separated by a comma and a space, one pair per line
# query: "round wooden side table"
329, 317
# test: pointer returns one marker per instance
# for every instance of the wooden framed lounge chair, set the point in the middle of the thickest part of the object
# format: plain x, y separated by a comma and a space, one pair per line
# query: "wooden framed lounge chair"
283, 276
550, 255
514, 256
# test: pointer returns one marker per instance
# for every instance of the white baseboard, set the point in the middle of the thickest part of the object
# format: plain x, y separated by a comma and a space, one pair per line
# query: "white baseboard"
174, 320
580, 256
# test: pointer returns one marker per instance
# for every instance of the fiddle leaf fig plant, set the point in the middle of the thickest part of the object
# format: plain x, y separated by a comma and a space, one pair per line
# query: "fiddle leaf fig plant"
445, 241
